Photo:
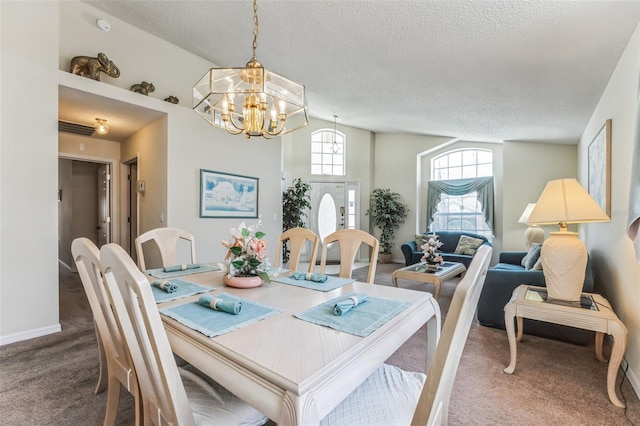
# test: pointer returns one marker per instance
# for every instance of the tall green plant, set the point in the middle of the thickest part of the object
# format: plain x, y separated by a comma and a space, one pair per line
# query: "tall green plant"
295, 200
387, 212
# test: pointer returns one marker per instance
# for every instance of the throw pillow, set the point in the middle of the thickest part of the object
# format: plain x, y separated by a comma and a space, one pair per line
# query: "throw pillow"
422, 239
468, 245
530, 259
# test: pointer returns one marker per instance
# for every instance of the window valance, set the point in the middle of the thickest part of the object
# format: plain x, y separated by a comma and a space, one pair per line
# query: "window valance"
482, 185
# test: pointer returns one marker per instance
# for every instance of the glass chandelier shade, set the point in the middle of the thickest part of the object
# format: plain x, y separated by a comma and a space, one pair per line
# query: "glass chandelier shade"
251, 100
101, 126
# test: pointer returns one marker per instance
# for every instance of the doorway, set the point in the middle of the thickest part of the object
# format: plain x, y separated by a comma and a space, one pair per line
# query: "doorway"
334, 205
84, 204
130, 202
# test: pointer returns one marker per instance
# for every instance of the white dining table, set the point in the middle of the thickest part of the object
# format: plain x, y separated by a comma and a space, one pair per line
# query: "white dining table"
293, 371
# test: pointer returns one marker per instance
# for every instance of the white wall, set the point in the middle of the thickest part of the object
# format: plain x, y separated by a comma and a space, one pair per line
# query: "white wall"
296, 160
28, 170
528, 166
617, 272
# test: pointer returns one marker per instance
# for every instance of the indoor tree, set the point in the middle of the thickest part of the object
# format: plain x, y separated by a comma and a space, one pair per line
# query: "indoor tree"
387, 212
295, 201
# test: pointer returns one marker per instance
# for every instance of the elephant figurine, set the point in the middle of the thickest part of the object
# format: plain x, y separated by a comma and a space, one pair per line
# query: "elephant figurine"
172, 99
143, 88
89, 67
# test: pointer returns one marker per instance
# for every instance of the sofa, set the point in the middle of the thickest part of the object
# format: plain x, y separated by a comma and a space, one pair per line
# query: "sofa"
412, 252
499, 284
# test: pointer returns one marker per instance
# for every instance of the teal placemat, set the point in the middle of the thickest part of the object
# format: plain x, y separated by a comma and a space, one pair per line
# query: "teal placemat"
185, 289
159, 273
330, 284
361, 320
213, 323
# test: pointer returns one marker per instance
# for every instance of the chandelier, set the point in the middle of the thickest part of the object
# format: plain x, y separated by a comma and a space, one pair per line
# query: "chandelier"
250, 100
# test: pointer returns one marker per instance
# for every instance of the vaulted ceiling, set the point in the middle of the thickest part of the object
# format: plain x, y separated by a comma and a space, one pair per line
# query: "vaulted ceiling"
480, 70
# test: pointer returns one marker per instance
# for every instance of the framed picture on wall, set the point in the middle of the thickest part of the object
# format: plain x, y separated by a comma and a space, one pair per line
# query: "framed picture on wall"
227, 195
599, 159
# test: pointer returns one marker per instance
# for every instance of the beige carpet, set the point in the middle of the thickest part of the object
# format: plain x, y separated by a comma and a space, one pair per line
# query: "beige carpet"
50, 380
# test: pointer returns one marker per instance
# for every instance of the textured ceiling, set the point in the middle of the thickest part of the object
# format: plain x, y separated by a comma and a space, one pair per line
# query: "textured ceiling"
480, 70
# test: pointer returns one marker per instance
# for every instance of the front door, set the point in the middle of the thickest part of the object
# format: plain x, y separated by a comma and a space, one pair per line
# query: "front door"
333, 206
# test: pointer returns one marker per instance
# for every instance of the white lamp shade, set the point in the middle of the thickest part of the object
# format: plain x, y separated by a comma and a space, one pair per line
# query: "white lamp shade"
566, 201
526, 213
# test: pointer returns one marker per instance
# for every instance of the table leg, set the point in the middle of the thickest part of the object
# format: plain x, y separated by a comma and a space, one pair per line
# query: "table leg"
437, 283
394, 280
619, 335
298, 411
598, 344
520, 329
509, 314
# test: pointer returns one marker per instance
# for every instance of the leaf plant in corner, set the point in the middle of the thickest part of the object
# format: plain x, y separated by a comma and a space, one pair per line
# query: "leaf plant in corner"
295, 201
387, 212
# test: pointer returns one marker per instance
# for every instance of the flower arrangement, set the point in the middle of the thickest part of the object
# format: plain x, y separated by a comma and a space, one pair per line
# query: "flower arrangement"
246, 255
430, 249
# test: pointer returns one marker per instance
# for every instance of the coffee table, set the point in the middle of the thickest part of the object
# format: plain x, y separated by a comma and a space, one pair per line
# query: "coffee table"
418, 272
593, 312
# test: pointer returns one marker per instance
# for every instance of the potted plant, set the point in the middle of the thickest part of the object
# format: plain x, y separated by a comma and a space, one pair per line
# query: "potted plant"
295, 200
387, 212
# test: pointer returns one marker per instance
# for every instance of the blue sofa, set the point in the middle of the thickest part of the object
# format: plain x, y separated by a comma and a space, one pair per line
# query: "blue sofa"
412, 253
499, 284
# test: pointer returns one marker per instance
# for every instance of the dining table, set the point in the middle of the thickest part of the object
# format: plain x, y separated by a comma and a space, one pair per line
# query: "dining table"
294, 371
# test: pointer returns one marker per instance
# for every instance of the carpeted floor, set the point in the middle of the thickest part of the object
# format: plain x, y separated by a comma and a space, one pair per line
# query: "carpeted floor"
50, 380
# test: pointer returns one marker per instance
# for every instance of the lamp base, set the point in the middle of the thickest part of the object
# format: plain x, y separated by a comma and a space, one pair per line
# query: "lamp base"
564, 259
533, 234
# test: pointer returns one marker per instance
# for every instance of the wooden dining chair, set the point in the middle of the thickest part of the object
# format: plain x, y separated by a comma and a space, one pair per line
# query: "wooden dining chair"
349, 241
297, 237
111, 346
391, 396
171, 396
167, 240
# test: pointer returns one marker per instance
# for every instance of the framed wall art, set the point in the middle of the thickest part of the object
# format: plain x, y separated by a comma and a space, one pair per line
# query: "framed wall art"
227, 195
599, 162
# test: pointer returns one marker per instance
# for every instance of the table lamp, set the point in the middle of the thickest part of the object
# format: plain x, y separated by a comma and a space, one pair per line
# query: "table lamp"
533, 234
564, 256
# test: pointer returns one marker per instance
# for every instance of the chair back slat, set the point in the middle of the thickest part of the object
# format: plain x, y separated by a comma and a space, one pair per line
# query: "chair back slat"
349, 241
297, 237
167, 240
87, 260
160, 383
433, 404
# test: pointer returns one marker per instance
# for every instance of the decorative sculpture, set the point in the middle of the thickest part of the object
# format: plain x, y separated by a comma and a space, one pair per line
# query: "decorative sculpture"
89, 67
143, 88
172, 99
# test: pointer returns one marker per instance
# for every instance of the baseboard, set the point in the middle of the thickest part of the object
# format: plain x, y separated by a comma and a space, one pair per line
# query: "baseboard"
30, 334
633, 379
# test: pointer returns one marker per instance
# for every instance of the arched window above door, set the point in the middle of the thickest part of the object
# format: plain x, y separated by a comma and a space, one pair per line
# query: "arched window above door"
328, 152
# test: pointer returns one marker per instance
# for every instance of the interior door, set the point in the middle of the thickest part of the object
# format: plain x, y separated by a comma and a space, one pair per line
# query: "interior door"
104, 205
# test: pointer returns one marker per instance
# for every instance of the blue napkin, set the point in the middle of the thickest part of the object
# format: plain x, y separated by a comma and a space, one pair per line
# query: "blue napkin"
182, 267
165, 285
308, 276
228, 306
343, 306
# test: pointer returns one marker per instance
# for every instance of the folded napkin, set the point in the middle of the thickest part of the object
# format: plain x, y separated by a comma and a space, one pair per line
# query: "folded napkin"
228, 306
182, 267
343, 306
165, 285
308, 276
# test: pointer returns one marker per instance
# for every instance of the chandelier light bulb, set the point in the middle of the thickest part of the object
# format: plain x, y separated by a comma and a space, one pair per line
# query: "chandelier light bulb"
102, 128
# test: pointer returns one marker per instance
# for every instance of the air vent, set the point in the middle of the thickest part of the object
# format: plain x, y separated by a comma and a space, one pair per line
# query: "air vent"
78, 129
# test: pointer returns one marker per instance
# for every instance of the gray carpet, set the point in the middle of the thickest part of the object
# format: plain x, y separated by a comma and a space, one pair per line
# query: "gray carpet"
50, 380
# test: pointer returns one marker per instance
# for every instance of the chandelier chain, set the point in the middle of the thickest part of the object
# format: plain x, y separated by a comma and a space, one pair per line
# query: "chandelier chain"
255, 28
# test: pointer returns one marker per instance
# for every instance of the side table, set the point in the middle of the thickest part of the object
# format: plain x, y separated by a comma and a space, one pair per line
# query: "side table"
593, 312
418, 272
